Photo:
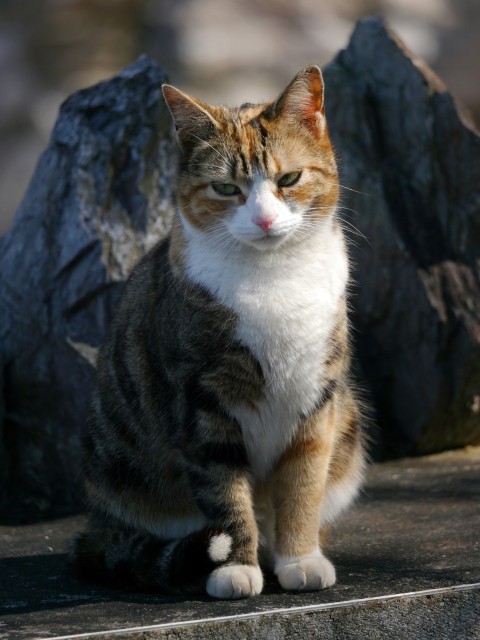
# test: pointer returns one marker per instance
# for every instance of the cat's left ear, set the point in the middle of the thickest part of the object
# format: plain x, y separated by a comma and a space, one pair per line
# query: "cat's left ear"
190, 115
303, 101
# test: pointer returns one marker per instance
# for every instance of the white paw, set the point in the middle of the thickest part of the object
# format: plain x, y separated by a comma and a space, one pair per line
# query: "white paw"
308, 573
233, 581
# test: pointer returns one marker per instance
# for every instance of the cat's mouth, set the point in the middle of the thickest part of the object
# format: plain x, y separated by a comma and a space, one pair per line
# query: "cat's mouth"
267, 241
262, 240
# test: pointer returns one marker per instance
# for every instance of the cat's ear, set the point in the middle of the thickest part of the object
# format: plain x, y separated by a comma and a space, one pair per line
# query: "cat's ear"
190, 115
302, 100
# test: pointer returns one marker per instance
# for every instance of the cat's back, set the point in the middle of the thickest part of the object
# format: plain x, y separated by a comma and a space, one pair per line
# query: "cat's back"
146, 286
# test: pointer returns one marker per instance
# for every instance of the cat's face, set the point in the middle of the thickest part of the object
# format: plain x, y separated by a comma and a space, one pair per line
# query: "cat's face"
258, 175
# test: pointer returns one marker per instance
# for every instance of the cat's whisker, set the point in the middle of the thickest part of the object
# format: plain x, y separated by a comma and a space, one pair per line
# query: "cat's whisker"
362, 193
342, 186
222, 171
353, 229
209, 145
220, 238
342, 207
342, 220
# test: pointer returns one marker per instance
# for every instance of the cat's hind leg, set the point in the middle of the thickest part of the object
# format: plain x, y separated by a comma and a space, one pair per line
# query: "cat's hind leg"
127, 558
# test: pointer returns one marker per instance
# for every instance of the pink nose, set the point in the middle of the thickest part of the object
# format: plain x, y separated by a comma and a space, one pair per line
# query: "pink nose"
265, 224
264, 221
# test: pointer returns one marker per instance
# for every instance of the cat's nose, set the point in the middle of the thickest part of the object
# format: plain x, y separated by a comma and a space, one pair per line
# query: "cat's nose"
264, 222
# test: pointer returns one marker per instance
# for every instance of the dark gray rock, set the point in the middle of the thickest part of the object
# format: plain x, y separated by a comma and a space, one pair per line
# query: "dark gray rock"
100, 196
410, 163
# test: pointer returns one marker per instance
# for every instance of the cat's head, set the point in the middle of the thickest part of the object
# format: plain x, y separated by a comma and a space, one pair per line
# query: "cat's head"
260, 174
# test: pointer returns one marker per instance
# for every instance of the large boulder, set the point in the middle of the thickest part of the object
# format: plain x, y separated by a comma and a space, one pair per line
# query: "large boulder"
99, 198
410, 166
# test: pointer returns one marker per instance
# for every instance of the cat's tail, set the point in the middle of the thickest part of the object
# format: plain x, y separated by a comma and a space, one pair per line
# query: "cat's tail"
133, 560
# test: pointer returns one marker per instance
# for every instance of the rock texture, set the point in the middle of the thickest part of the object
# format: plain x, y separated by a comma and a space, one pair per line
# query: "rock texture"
410, 164
101, 195
99, 198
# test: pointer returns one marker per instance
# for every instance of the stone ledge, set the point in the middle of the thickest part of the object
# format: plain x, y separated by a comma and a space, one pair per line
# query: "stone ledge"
407, 556
439, 614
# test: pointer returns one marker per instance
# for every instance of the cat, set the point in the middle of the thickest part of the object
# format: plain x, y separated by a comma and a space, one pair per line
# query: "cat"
225, 431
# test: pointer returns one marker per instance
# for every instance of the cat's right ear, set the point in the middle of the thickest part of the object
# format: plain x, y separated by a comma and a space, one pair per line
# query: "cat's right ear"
302, 101
190, 115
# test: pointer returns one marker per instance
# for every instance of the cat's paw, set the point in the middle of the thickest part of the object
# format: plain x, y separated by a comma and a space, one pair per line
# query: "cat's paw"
233, 581
307, 573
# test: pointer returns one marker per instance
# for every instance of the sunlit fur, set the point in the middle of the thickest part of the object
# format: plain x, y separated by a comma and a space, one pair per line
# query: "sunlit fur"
225, 428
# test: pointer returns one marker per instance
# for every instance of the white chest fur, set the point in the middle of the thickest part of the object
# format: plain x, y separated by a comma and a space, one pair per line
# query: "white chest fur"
286, 303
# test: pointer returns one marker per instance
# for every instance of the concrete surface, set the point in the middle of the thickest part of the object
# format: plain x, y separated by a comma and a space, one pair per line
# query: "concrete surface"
407, 558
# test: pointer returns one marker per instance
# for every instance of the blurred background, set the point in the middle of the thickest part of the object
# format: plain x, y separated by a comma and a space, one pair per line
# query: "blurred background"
228, 51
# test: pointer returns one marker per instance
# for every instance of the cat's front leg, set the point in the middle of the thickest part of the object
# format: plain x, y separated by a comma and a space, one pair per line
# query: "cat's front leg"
310, 572
223, 493
298, 486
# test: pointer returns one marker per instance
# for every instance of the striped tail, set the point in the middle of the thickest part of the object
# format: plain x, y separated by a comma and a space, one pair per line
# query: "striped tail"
133, 560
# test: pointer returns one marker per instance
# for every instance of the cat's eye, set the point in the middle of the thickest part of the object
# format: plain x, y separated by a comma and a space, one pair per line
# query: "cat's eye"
225, 189
289, 179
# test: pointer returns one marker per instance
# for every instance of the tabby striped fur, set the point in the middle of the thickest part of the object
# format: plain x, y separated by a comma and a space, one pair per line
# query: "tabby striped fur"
225, 431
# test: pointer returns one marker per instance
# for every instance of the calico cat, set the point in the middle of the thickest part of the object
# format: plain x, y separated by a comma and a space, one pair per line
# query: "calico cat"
225, 431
